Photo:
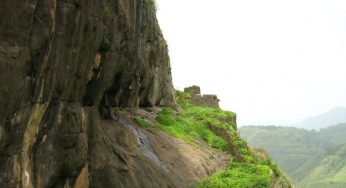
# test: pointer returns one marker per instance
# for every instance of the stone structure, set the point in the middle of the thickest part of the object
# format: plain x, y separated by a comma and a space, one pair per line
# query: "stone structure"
193, 90
202, 100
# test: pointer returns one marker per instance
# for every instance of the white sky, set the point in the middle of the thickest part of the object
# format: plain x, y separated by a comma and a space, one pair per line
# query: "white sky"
270, 61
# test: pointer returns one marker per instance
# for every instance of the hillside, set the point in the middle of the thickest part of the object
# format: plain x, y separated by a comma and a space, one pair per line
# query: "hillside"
335, 116
299, 152
334, 134
330, 172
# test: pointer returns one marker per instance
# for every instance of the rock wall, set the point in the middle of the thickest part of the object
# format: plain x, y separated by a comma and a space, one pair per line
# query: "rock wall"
64, 65
202, 100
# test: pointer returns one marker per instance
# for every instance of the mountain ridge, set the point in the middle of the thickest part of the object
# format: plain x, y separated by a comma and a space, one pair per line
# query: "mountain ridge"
301, 153
332, 117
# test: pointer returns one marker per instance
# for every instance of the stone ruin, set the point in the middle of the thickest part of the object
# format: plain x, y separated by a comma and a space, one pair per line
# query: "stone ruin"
202, 100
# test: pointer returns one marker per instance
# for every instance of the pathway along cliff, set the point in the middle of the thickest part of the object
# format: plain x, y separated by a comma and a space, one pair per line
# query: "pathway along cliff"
73, 76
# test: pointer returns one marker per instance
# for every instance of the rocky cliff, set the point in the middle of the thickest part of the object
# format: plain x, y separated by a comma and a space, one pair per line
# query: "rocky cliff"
65, 66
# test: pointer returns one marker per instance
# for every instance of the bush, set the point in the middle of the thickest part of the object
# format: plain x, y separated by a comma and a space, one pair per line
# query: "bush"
188, 128
183, 99
239, 175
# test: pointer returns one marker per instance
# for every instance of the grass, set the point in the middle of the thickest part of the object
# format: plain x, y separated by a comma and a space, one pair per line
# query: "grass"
240, 175
191, 125
188, 128
254, 173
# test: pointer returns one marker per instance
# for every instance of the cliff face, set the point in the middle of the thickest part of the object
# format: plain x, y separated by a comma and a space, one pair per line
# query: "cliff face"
65, 66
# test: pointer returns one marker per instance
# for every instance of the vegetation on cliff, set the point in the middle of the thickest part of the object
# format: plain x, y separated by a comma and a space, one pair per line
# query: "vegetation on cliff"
247, 167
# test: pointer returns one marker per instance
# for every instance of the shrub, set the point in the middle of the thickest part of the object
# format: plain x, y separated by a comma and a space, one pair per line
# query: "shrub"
183, 99
239, 175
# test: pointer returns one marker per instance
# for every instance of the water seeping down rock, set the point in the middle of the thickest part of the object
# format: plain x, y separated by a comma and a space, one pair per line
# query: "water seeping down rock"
67, 67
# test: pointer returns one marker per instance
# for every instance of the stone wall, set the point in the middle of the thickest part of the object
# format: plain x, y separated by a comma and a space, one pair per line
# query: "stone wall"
193, 90
203, 100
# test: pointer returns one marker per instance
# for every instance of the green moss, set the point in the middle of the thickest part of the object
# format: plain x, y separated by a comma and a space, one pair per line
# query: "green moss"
188, 128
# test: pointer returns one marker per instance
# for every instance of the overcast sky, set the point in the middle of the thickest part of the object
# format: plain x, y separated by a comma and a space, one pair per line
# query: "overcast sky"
270, 61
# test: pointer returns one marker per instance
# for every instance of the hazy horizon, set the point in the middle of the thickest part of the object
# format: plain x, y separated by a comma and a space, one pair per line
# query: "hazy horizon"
270, 61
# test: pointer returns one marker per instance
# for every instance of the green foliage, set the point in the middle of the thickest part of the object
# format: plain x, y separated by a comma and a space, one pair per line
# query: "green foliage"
330, 172
192, 125
188, 128
335, 134
272, 166
304, 154
240, 175
207, 115
183, 99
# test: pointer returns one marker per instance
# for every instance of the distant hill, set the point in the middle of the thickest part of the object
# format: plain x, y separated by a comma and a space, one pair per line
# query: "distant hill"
330, 173
332, 117
311, 158
335, 134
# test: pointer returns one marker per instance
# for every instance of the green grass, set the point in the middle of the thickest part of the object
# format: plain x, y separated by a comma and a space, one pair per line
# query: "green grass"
214, 116
240, 175
183, 99
188, 128
191, 125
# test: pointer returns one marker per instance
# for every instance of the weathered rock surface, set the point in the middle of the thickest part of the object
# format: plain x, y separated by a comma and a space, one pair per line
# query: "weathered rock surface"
65, 66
